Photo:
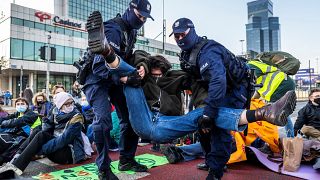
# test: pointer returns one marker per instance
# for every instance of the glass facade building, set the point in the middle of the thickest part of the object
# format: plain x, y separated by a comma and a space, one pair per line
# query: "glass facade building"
262, 30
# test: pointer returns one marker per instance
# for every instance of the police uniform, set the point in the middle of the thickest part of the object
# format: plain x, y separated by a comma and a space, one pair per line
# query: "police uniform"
224, 77
101, 88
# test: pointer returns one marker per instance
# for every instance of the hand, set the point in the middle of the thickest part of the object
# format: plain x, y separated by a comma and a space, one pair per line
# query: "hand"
141, 71
205, 124
124, 79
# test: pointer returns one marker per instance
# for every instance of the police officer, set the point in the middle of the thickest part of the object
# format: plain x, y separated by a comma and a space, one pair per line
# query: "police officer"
224, 77
101, 86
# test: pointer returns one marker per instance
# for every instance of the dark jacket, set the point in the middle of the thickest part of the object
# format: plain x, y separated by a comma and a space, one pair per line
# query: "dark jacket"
168, 87
71, 134
309, 115
43, 109
100, 73
222, 75
27, 93
14, 124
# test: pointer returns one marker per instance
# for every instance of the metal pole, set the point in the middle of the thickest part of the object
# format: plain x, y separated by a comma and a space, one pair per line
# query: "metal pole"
317, 59
48, 66
309, 77
241, 46
21, 74
163, 28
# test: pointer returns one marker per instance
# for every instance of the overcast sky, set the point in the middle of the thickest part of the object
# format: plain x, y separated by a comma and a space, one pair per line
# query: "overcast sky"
224, 21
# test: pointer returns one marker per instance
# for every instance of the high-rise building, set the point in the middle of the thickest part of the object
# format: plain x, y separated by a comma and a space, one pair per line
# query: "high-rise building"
262, 30
81, 9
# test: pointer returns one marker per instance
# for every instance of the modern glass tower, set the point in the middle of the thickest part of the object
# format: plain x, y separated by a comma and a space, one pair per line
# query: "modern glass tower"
262, 30
80, 9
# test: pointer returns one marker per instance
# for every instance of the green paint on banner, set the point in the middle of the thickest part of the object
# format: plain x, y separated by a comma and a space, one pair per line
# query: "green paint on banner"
90, 171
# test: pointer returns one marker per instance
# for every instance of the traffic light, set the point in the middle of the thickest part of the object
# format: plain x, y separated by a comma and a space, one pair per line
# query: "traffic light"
42, 52
53, 54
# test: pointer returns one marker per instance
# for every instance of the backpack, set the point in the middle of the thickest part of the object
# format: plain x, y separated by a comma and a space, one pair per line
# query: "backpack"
282, 60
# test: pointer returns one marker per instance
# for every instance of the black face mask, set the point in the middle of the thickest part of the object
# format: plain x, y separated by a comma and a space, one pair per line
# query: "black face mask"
40, 102
317, 100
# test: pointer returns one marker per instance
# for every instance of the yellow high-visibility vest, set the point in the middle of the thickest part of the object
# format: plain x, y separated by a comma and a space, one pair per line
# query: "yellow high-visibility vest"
270, 80
35, 124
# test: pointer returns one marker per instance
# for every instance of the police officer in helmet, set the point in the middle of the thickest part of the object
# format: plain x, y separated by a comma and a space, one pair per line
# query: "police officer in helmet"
101, 86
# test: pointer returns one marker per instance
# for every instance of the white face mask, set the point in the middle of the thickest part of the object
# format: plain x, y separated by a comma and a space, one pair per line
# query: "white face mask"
21, 108
67, 109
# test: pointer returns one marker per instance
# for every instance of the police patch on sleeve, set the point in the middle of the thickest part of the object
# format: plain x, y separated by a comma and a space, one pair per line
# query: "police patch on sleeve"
204, 67
114, 45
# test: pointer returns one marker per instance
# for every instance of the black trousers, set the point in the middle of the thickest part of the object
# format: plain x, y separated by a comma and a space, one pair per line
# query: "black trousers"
61, 156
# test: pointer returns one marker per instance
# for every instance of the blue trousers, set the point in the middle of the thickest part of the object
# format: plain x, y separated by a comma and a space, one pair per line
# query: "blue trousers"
161, 128
100, 97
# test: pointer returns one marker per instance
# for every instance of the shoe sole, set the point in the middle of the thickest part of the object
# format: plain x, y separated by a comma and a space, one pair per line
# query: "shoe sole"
289, 107
95, 30
168, 152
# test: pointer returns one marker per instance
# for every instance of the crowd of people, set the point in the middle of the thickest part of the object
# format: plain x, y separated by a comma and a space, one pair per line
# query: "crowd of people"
123, 95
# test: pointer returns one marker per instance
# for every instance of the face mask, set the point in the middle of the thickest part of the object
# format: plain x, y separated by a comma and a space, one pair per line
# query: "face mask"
21, 109
40, 102
67, 109
132, 19
317, 100
84, 103
188, 41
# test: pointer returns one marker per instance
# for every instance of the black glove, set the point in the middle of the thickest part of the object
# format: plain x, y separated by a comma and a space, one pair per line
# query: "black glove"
205, 123
134, 79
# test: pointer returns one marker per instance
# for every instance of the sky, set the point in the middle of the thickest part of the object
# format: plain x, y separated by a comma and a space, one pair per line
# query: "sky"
224, 21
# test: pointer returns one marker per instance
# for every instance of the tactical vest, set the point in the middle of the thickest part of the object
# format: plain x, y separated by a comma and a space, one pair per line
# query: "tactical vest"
236, 68
270, 80
126, 47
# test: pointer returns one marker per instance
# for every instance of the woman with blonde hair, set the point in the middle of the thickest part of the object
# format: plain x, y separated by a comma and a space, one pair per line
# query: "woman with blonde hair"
41, 104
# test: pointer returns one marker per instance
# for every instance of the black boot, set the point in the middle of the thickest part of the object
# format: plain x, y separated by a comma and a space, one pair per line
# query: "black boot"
212, 176
173, 154
107, 175
126, 164
203, 166
97, 41
278, 112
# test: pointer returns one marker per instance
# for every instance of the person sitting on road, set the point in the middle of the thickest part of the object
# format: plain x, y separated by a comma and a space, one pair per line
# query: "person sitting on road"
60, 139
41, 104
15, 128
308, 121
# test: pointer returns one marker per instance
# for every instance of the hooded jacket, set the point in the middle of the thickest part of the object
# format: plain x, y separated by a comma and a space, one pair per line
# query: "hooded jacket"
309, 115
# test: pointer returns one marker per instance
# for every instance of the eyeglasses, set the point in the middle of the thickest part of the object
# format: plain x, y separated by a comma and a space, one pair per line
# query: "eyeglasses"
70, 103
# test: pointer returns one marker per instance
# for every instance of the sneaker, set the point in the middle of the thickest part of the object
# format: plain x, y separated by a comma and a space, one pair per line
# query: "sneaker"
9, 170
173, 154
109, 175
126, 164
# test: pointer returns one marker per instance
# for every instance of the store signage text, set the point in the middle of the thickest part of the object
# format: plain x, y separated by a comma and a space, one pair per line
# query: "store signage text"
44, 16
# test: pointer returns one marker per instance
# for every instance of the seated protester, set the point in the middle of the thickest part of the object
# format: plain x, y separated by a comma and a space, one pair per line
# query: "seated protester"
15, 128
87, 111
308, 121
3, 113
41, 104
60, 139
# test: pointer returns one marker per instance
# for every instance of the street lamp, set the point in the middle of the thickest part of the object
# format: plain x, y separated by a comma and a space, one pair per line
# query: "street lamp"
242, 40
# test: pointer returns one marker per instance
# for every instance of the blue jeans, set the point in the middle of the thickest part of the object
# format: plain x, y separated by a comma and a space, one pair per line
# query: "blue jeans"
161, 128
289, 128
192, 151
